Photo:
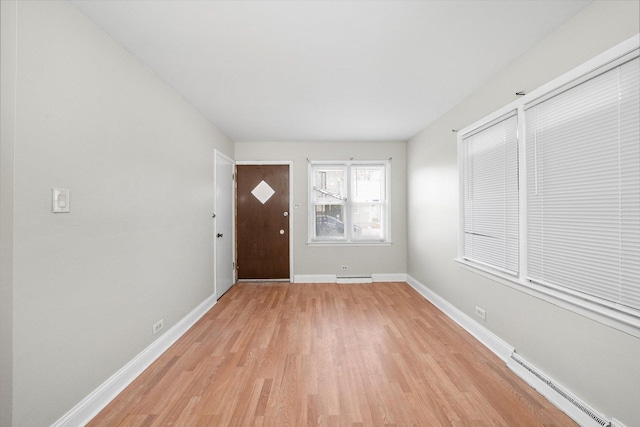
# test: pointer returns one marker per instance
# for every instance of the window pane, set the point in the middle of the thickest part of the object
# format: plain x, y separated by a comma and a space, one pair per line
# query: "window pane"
367, 221
330, 221
329, 185
368, 184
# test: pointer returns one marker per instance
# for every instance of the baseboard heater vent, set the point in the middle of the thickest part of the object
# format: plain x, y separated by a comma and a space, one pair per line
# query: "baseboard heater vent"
354, 279
571, 405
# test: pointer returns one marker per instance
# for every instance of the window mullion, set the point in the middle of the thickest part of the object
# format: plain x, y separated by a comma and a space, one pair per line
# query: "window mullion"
347, 203
522, 195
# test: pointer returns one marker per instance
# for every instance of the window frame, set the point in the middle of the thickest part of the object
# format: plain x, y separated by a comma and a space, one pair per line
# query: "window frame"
348, 239
611, 314
463, 149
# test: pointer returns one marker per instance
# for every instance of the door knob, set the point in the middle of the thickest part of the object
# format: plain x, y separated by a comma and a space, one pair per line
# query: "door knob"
281, 231
219, 234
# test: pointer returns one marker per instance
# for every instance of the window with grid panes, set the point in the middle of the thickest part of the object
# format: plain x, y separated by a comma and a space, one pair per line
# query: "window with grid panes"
349, 202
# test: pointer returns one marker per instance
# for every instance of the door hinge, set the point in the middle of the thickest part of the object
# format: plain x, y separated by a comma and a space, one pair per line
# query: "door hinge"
233, 176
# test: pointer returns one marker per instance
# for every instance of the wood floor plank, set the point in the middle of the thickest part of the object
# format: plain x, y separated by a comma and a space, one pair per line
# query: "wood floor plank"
328, 355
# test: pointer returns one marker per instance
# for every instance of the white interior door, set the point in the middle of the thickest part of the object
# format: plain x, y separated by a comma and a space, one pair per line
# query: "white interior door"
223, 224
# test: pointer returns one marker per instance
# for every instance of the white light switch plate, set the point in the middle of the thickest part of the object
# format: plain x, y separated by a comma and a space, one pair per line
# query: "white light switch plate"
59, 200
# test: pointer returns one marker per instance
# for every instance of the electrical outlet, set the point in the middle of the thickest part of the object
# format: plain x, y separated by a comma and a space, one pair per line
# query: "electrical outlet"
481, 313
345, 267
157, 327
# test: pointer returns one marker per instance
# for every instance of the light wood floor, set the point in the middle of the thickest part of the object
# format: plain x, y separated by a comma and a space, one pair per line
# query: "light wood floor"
328, 355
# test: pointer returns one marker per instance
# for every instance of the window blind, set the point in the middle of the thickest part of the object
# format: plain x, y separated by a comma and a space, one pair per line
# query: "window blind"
490, 186
583, 188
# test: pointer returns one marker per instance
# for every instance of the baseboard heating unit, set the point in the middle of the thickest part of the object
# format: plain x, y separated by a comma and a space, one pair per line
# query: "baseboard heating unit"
354, 279
579, 411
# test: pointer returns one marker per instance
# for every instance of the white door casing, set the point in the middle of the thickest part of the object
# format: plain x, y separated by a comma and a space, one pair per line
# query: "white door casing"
223, 224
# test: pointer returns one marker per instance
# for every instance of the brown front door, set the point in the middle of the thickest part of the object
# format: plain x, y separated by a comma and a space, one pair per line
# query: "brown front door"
263, 221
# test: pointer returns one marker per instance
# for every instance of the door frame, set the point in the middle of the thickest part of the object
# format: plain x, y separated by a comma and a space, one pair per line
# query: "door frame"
273, 163
234, 279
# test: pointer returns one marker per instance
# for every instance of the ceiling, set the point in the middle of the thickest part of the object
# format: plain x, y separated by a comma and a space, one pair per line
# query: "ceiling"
327, 70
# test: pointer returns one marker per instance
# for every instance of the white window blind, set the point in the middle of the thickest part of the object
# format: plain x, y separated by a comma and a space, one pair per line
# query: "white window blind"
583, 188
490, 181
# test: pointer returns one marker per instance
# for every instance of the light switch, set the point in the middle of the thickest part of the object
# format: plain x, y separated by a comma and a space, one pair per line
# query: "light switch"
60, 200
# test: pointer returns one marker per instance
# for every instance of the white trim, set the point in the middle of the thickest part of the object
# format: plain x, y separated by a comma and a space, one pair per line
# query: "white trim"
523, 220
224, 156
619, 317
343, 243
217, 153
263, 162
594, 65
315, 278
504, 351
332, 278
616, 423
486, 337
91, 405
488, 123
348, 239
599, 61
557, 399
343, 280
393, 277
291, 231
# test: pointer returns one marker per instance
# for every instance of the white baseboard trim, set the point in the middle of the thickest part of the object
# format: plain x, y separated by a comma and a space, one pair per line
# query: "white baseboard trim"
486, 337
343, 280
314, 278
616, 423
332, 278
91, 405
562, 398
581, 412
397, 277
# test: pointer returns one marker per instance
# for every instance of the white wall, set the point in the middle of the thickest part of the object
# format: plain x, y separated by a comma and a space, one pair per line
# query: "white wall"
314, 260
7, 89
597, 362
137, 246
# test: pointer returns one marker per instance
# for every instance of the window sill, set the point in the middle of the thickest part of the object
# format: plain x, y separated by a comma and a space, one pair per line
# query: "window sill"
344, 243
622, 321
